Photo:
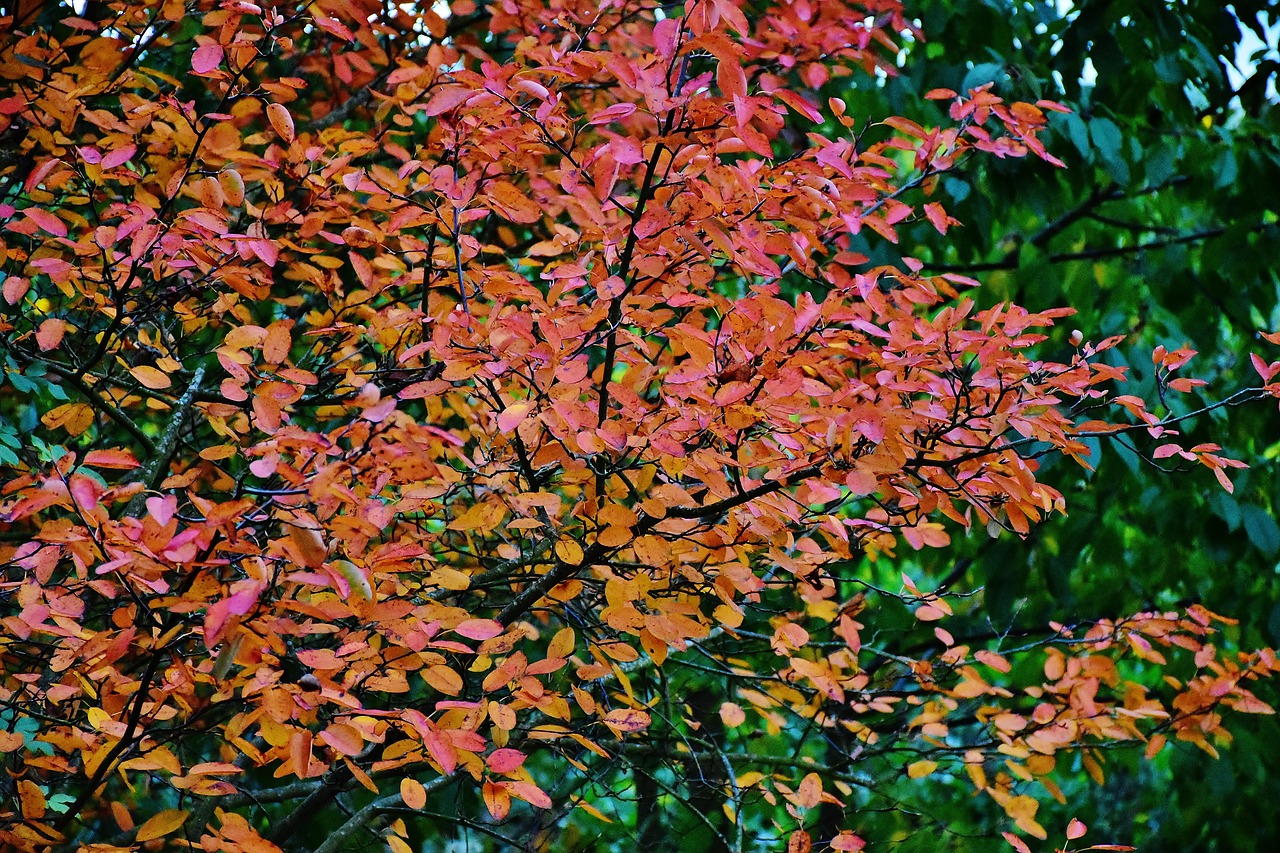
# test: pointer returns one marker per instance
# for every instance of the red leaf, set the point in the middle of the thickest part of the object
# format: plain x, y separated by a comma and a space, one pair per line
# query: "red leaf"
799, 842
798, 104
441, 749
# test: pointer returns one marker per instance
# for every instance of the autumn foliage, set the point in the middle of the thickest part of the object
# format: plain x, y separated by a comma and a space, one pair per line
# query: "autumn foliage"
483, 416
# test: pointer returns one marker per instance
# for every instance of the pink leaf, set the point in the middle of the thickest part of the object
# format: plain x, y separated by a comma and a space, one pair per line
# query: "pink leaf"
613, 113
514, 415
119, 157
50, 333
206, 58
445, 100
162, 509
479, 629
334, 26
1016, 843
47, 221
505, 760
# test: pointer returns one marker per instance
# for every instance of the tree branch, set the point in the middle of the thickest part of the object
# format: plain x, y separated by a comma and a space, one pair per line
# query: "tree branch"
1012, 260
338, 840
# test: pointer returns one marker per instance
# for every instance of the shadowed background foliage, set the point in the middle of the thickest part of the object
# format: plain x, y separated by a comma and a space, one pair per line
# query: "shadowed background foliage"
1162, 228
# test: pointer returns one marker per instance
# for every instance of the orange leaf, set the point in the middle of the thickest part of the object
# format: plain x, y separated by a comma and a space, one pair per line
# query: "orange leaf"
50, 333
344, 739
278, 115
799, 842
507, 199
120, 812
530, 793
809, 792
627, 720
732, 715
161, 824
413, 794
305, 534
151, 377
275, 346
30, 799
497, 799
300, 745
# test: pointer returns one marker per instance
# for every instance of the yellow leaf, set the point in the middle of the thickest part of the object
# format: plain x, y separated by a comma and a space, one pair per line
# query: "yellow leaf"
361, 589
591, 810
98, 718
75, 418
569, 551
921, 769
161, 824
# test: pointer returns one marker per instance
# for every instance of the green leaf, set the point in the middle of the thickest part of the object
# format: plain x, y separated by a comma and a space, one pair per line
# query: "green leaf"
1107, 138
1262, 529
980, 75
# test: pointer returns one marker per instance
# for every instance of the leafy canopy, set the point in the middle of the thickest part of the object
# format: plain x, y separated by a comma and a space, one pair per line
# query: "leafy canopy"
499, 420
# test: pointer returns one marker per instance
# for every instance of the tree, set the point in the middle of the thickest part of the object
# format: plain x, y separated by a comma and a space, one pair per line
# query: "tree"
1159, 234
503, 421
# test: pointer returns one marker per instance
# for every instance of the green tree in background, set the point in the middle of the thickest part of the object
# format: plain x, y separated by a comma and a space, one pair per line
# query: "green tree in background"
1162, 228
